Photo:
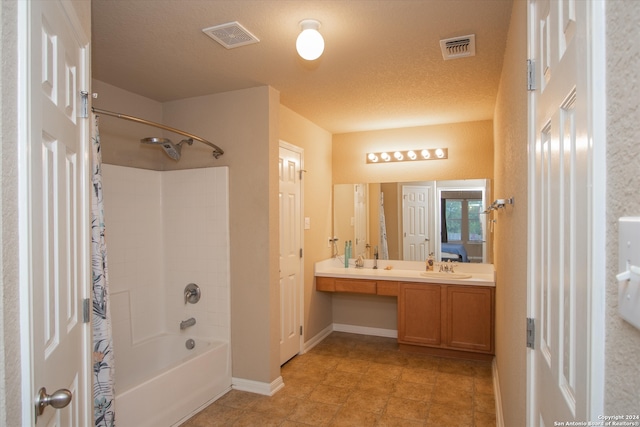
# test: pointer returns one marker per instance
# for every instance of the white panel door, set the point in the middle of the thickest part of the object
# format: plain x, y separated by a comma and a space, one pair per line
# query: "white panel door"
54, 192
561, 215
291, 281
415, 222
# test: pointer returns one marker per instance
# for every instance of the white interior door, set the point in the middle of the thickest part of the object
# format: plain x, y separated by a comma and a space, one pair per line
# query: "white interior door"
361, 223
415, 222
54, 207
561, 216
291, 280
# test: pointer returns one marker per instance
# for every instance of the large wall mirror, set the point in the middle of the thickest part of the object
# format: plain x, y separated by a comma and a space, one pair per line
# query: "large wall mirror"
410, 220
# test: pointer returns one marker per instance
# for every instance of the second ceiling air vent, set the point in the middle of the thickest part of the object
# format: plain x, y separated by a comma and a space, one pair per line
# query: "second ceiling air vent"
458, 47
231, 35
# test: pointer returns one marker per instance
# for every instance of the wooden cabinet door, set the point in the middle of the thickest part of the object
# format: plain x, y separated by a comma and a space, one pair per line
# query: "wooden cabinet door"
419, 314
469, 318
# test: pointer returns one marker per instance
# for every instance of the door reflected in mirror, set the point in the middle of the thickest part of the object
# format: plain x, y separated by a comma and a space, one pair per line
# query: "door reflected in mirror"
410, 220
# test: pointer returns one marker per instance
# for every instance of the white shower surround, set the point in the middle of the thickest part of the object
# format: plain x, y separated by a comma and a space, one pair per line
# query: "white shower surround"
164, 231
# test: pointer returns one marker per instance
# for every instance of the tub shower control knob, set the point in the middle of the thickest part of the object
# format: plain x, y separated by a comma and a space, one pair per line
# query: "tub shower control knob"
191, 293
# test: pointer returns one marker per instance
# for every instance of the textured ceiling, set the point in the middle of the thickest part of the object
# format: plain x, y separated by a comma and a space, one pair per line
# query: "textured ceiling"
382, 66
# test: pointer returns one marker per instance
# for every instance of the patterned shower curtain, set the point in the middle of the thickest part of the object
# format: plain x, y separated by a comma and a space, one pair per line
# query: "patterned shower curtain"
384, 248
103, 360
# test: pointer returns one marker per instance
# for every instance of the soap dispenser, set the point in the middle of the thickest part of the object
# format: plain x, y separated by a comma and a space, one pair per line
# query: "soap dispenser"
430, 262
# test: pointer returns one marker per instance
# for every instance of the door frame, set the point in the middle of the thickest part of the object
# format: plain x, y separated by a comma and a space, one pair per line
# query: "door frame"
300, 151
596, 301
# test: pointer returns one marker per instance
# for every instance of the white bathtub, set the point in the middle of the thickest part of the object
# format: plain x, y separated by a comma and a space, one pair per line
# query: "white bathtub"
160, 382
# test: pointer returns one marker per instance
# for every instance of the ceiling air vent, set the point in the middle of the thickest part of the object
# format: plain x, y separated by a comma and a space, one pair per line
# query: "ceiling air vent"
231, 35
458, 47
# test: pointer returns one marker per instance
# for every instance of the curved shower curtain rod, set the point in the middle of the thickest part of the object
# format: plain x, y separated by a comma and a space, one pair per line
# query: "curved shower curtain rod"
217, 151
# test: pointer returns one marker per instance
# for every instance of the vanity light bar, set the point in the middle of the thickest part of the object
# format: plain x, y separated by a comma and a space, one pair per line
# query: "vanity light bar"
408, 155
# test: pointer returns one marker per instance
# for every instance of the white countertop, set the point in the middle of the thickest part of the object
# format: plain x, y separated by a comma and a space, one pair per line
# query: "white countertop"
406, 271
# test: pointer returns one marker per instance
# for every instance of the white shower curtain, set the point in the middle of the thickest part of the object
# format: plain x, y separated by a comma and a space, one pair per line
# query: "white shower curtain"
384, 249
103, 360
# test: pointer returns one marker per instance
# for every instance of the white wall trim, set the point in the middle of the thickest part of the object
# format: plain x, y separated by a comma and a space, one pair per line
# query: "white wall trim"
365, 330
267, 389
339, 327
317, 339
496, 394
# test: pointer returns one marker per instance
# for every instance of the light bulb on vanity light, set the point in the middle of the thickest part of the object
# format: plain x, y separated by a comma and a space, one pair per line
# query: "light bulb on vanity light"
310, 43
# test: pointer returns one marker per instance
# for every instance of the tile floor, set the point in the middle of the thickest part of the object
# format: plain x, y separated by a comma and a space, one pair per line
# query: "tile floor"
359, 380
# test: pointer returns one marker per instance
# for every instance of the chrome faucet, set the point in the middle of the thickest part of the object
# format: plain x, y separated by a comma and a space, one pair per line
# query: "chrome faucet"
186, 323
375, 258
447, 267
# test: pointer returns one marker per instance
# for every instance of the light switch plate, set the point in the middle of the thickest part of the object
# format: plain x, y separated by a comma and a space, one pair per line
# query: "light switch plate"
307, 223
628, 255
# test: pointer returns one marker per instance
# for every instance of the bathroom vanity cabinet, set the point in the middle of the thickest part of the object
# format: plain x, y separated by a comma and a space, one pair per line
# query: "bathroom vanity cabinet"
439, 318
447, 317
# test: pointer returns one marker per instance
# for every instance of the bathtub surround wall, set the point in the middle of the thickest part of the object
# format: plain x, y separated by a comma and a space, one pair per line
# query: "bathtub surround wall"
164, 231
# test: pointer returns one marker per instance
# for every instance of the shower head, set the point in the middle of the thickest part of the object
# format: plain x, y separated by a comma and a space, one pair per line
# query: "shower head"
172, 150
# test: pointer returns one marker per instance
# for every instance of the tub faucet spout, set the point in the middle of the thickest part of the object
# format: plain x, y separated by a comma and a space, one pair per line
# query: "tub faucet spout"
186, 323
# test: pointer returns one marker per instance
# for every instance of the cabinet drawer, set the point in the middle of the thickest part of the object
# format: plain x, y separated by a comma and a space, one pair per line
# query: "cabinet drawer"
326, 284
388, 288
356, 286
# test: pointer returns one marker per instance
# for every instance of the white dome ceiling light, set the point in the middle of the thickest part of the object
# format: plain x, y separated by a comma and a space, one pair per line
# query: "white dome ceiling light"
310, 43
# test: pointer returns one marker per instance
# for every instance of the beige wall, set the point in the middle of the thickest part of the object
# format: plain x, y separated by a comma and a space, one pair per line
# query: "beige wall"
316, 143
622, 346
244, 124
470, 147
121, 138
510, 253
10, 378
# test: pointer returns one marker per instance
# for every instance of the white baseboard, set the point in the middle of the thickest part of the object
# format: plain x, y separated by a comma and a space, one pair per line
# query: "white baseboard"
496, 393
317, 339
365, 330
339, 327
257, 386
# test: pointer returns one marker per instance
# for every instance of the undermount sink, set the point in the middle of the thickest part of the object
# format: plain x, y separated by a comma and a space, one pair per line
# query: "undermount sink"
439, 275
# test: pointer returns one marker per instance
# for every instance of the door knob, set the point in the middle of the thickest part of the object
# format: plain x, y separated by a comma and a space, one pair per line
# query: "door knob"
59, 399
